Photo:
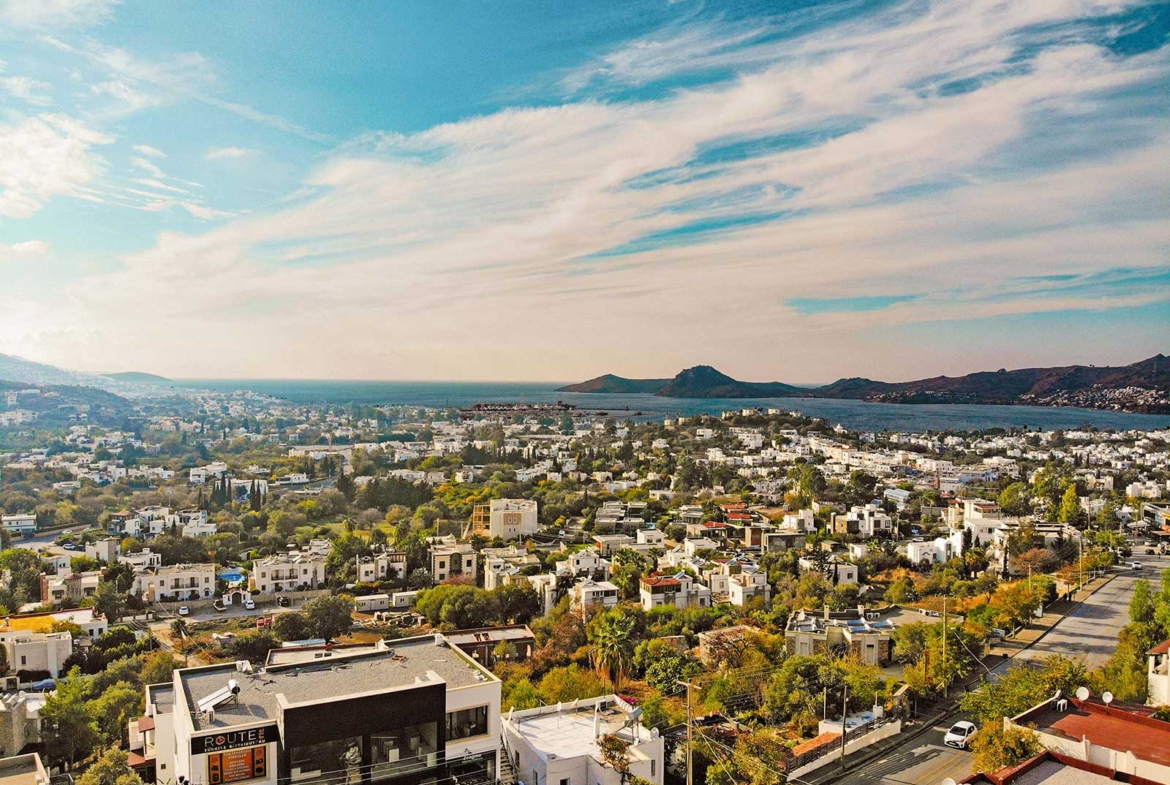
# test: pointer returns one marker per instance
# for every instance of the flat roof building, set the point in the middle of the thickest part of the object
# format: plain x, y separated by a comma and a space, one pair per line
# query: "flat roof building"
558, 745
412, 711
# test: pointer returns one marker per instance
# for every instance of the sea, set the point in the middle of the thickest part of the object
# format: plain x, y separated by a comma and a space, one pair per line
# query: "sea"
855, 415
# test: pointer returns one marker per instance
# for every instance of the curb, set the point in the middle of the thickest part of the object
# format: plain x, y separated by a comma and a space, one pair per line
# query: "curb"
928, 724
1063, 616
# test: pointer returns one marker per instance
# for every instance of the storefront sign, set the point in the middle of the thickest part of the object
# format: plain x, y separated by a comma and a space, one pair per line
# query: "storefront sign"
233, 739
237, 765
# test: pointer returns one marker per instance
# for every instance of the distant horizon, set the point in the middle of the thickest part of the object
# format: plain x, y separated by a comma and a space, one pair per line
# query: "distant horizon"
562, 382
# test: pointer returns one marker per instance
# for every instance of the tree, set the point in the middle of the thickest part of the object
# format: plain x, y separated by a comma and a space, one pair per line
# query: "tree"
571, 683
291, 626
110, 769
996, 748
1023, 687
1141, 605
67, 731
158, 668
758, 758
518, 603
613, 647
329, 617
108, 601
1070, 505
1015, 499
253, 646
114, 708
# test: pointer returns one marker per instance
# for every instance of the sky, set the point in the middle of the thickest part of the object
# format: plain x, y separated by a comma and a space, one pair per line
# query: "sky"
521, 190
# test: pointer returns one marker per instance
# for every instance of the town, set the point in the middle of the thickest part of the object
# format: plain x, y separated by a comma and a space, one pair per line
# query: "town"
230, 587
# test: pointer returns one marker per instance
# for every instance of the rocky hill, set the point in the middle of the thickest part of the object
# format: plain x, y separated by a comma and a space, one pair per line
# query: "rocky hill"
1141, 387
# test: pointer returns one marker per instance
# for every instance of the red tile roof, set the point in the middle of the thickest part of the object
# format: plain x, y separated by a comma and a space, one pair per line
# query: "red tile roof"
823, 740
661, 580
1161, 648
1110, 727
145, 723
1012, 773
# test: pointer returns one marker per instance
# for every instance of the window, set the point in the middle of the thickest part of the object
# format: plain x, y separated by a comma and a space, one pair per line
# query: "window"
565, 781
653, 767
466, 723
23, 660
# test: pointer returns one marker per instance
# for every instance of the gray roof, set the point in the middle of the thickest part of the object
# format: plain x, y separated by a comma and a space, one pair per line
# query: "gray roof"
337, 676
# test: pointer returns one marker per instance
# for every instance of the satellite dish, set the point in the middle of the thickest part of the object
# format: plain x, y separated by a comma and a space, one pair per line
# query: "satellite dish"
1082, 693
1107, 697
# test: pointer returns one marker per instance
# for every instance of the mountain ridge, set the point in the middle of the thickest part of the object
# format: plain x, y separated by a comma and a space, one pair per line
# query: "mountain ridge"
1143, 386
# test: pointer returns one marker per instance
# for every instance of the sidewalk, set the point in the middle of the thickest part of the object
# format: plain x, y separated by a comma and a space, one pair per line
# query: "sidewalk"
1038, 628
939, 712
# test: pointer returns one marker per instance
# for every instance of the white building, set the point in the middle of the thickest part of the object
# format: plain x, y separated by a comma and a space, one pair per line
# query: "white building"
589, 593
292, 571
937, 551
31, 645
679, 590
451, 559
383, 566
21, 524
507, 519
558, 745
175, 583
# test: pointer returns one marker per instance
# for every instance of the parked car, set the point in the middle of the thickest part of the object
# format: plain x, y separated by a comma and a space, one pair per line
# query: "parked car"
282, 602
249, 604
184, 610
1135, 565
959, 736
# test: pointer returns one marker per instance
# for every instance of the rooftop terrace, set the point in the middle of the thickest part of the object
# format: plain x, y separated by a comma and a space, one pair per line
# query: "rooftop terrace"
338, 675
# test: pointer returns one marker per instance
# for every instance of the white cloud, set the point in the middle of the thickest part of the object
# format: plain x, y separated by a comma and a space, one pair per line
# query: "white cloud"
23, 250
471, 232
225, 153
140, 83
49, 14
147, 166
127, 97
46, 156
148, 151
27, 89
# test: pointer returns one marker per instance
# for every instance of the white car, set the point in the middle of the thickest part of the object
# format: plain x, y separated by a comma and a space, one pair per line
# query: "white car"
959, 736
249, 605
1135, 565
184, 610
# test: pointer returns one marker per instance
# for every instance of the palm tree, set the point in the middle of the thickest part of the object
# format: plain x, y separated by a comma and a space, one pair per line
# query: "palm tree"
179, 629
613, 647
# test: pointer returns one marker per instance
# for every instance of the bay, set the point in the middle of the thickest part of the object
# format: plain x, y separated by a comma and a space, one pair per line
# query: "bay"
856, 415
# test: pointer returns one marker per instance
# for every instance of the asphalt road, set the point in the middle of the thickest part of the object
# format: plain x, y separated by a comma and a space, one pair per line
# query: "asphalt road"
1090, 632
925, 761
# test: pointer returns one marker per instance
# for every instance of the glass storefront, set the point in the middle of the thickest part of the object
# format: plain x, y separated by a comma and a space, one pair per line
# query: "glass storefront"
338, 760
465, 723
404, 751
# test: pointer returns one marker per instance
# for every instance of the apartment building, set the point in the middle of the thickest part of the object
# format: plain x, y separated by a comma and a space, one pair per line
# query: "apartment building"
679, 590
451, 559
415, 711
508, 519
291, 571
175, 583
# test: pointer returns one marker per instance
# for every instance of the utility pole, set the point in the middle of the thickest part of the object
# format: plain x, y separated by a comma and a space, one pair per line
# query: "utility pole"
1081, 562
844, 727
690, 736
946, 679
